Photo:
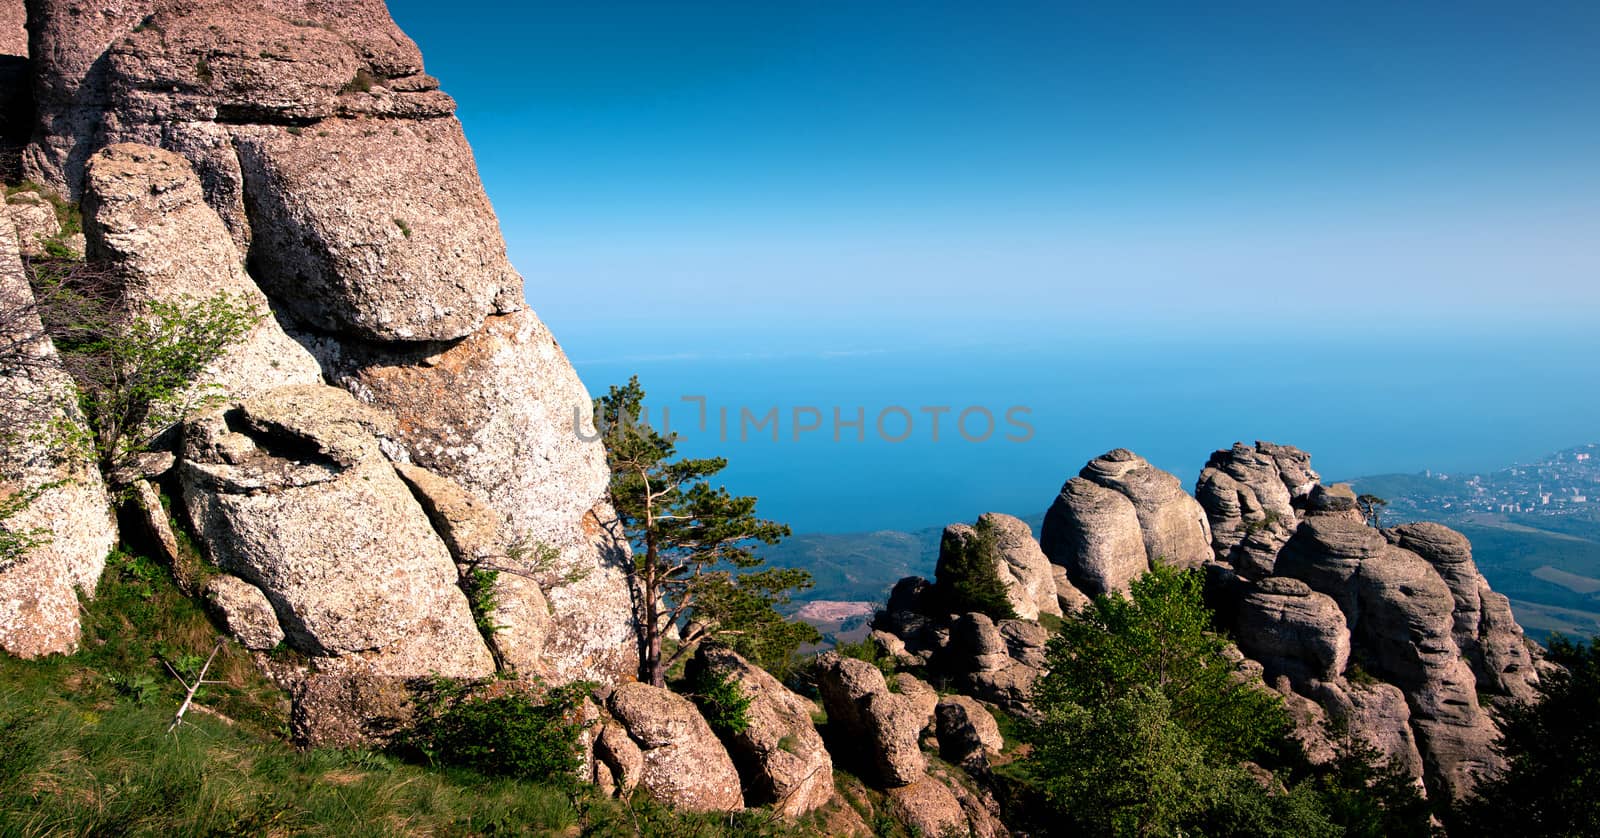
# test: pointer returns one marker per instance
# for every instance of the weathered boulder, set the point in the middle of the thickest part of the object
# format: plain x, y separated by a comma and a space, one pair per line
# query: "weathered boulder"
621, 758
928, 806
684, 765
1068, 597
146, 218
780, 755
69, 514
1293, 630
345, 710
967, 732
1174, 526
35, 220
1019, 563
881, 727
1094, 533
1327, 554
290, 491
245, 611
994, 662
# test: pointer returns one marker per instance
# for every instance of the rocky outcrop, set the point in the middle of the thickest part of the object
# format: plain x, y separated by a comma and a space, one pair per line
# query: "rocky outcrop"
1249, 496
683, 764
146, 219
1022, 567
1482, 624
69, 516
882, 728
1094, 533
1293, 630
290, 491
780, 755
35, 220
1172, 523
340, 175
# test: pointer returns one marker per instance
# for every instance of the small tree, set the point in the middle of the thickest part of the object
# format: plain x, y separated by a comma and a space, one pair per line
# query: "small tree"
689, 539
969, 574
1371, 507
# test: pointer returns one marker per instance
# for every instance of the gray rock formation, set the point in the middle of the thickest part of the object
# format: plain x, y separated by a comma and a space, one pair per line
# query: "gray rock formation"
683, 763
1249, 496
35, 220
245, 611
146, 218
1293, 630
70, 515
1483, 626
883, 727
1020, 564
290, 491
1173, 525
1094, 533
780, 755
341, 176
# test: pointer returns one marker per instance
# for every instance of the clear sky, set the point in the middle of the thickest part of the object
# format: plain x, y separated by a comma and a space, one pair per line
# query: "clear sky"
836, 175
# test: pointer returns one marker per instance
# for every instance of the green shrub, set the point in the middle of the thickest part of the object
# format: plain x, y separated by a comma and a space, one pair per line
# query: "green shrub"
361, 83
501, 729
868, 650
722, 702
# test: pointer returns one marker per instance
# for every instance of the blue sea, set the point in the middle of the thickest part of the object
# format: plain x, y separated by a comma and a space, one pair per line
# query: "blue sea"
1361, 404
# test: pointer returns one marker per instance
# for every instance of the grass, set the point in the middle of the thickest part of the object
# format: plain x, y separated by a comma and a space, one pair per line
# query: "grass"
86, 752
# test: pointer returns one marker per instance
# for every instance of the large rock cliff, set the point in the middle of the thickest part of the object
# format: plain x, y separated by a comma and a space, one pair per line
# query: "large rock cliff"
295, 155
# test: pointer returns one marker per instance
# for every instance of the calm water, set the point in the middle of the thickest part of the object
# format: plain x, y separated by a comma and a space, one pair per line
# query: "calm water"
1360, 406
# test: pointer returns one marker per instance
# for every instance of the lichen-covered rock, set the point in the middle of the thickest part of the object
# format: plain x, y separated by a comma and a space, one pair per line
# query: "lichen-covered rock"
13, 35
290, 491
245, 611
1174, 526
146, 218
883, 727
684, 764
70, 513
622, 758
501, 413
780, 754
1094, 533
346, 710
405, 250
1293, 630
1019, 563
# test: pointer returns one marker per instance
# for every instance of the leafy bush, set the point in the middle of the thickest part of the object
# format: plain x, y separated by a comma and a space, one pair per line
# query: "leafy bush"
502, 729
722, 702
868, 650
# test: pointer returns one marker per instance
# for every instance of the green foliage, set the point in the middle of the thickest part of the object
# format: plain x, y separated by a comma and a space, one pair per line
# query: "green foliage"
969, 576
478, 584
405, 229
1371, 507
17, 540
1552, 751
722, 702
691, 541
744, 609
505, 729
136, 375
868, 650
202, 70
1143, 730
1160, 637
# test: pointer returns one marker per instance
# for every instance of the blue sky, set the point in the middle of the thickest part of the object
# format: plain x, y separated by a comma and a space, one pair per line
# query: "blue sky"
831, 176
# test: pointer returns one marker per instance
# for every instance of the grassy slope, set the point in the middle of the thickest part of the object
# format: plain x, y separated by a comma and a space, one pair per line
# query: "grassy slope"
85, 752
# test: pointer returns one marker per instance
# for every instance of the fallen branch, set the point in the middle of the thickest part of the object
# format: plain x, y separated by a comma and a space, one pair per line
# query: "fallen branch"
199, 681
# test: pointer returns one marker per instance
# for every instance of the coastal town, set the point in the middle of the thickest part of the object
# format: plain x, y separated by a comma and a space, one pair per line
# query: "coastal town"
1565, 484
